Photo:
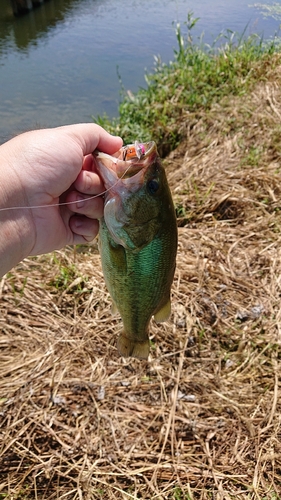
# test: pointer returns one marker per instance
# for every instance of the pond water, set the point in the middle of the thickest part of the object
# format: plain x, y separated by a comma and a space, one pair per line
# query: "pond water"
60, 62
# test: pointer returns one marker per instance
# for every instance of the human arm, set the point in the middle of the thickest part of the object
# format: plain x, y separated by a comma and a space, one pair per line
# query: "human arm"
48, 167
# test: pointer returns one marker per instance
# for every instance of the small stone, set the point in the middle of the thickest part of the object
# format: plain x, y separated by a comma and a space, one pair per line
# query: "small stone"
101, 393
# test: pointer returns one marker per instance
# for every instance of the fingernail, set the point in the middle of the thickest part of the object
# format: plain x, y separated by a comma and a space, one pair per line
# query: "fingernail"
80, 201
88, 182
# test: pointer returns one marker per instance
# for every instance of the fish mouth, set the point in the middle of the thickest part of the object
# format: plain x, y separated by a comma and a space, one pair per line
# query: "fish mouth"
129, 160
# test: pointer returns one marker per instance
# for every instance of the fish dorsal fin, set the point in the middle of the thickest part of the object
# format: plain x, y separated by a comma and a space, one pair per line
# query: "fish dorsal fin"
163, 313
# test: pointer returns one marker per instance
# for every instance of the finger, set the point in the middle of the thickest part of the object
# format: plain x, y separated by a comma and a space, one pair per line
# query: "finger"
91, 207
82, 226
88, 163
91, 136
89, 183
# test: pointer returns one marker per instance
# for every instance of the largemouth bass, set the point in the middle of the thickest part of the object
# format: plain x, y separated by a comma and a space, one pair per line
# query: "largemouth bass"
137, 241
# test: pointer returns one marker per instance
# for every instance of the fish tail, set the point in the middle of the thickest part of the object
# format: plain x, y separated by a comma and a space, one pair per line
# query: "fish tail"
129, 347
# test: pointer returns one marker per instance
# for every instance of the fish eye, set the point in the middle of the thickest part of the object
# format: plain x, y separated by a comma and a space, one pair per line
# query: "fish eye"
153, 186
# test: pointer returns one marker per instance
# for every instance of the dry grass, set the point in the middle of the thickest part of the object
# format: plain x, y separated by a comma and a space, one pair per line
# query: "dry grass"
201, 418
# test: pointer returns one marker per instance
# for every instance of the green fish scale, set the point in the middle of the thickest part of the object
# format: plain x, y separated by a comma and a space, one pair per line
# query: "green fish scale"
139, 282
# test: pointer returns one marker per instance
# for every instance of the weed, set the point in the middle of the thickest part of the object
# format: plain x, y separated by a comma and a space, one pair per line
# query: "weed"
198, 76
179, 494
180, 211
253, 157
65, 275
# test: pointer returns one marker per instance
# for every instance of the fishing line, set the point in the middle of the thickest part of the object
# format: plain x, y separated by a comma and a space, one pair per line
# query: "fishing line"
70, 202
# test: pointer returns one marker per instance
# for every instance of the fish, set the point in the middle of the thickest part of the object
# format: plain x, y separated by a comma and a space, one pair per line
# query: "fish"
137, 241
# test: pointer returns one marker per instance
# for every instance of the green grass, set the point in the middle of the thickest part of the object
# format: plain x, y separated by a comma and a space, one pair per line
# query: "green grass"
179, 494
253, 157
198, 76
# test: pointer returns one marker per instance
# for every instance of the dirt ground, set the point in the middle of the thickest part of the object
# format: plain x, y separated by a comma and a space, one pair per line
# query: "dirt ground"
201, 419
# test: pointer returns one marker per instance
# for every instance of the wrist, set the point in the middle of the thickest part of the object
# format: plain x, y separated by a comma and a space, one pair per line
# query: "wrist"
14, 244
16, 227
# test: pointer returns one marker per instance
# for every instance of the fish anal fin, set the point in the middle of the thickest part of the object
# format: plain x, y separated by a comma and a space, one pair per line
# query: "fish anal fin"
163, 313
128, 347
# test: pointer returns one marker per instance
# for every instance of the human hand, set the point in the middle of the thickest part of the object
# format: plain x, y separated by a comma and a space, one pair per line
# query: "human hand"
48, 167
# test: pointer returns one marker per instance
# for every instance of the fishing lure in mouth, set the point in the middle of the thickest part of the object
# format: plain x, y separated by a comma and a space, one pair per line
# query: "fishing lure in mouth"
127, 161
130, 152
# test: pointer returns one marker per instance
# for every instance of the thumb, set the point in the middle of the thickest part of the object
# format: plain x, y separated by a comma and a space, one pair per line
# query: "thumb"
91, 136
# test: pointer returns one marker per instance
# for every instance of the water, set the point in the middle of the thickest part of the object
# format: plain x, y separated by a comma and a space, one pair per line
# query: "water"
59, 64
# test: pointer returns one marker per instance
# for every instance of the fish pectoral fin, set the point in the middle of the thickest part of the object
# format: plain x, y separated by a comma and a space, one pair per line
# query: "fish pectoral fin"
114, 309
163, 313
128, 347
